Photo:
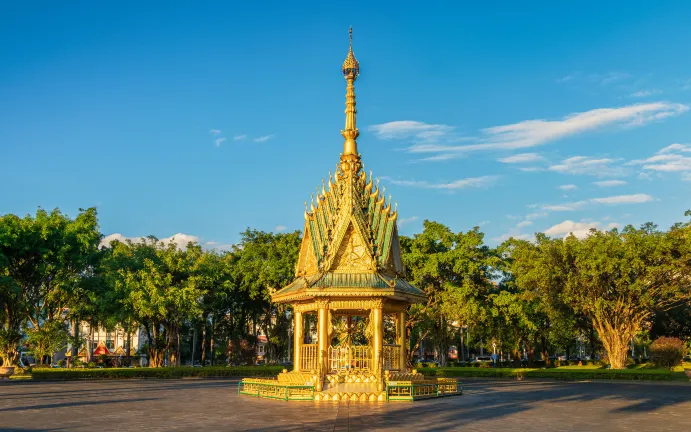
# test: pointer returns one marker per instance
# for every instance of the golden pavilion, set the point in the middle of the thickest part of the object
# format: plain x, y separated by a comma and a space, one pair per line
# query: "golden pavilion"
350, 280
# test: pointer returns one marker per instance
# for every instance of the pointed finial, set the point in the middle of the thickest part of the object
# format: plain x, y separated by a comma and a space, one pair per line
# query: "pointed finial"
350, 35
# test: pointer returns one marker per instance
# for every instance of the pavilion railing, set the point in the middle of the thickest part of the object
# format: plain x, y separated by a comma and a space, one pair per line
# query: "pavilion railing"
392, 357
350, 359
309, 357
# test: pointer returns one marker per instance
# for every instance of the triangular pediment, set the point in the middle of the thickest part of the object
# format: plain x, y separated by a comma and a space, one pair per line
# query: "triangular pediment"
353, 254
307, 260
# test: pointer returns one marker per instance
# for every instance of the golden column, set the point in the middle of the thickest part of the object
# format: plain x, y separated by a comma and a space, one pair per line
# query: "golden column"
400, 336
378, 341
323, 335
298, 334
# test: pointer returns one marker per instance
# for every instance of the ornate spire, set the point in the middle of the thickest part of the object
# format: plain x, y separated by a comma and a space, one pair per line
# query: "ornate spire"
351, 70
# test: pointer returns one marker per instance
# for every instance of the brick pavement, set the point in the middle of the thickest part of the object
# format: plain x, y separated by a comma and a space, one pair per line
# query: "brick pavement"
182, 405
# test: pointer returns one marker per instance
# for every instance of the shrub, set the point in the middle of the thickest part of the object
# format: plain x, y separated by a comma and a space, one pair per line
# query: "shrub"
164, 372
91, 365
667, 352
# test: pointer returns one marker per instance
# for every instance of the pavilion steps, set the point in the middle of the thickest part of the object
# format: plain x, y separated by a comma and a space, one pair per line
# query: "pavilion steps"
354, 388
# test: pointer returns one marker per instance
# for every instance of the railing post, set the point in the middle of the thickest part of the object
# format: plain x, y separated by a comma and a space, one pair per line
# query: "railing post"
403, 359
377, 341
297, 343
323, 335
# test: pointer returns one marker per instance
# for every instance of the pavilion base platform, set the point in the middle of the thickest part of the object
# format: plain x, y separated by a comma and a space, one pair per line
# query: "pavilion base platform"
354, 388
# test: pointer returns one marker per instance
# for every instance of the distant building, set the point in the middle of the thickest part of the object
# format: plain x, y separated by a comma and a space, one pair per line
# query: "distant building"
111, 343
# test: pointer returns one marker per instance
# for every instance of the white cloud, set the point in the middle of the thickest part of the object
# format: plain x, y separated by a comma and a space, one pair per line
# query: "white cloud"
264, 138
215, 132
531, 133
573, 206
531, 169
525, 223
280, 228
612, 200
665, 161
219, 141
567, 187
483, 223
686, 85
587, 166
456, 184
181, 240
522, 158
533, 216
676, 147
239, 137
409, 129
623, 199
686, 176
609, 183
406, 221
578, 229
645, 93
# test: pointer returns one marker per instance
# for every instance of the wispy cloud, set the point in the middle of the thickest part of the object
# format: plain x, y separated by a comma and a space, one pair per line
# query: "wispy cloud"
239, 137
280, 228
586, 165
215, 132
406, 221
453, 185
402, 129
522, 158
219, 141
524, 223
668, 159
645, 93
686, 85
436, 138
609, 183
567, 187
578, 229
623, 199
611, 200
264, 138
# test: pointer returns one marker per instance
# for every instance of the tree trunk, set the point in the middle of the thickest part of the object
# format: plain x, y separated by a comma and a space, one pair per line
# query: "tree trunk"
204, 323
128, 346
615, 337
75, 340
211, 339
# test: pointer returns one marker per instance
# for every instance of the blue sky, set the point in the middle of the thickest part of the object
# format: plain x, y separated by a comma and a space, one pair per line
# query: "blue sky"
207, 119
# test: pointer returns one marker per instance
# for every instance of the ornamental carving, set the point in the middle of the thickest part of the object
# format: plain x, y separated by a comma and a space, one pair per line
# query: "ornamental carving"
353, 255
356, 304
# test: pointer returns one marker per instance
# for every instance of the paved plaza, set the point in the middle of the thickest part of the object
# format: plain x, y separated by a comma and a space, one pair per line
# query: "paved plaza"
196, 405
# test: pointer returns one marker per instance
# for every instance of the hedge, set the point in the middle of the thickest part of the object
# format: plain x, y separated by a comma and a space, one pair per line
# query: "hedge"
164, 372
556, 373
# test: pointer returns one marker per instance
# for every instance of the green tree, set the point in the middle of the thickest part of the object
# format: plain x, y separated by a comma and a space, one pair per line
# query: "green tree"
155, 284
616, 279
51, 337
42, 259
455, 271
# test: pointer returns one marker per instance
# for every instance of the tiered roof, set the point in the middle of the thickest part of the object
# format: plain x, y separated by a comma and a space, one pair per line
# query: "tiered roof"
350, 244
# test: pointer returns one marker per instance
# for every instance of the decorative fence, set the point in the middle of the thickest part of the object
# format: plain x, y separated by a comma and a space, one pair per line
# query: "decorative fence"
309, 357
392, 357
272, 390
350, 359
410, 390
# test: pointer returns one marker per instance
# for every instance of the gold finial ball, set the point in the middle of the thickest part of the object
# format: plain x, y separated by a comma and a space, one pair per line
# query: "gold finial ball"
351, 67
